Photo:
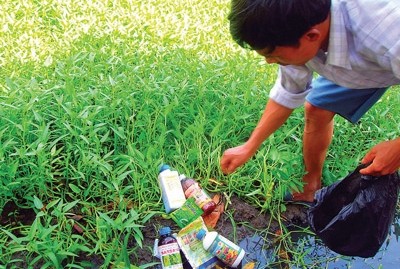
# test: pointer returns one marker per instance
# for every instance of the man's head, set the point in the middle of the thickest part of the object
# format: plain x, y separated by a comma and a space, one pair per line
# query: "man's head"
266, 24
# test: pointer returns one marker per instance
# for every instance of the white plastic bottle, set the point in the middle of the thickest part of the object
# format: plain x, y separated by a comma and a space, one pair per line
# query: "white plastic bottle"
171, 188
221, 247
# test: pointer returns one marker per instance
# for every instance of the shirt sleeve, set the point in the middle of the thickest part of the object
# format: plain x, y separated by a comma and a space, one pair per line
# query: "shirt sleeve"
377, 34
394, 54
292, 85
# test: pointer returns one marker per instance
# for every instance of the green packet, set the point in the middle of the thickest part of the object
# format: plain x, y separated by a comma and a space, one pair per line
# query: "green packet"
187, 213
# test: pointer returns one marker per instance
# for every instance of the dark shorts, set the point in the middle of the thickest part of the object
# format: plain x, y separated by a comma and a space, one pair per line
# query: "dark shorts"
351, 104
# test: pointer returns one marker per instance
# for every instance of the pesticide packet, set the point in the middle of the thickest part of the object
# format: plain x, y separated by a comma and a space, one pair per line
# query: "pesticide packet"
193, 249
187, 213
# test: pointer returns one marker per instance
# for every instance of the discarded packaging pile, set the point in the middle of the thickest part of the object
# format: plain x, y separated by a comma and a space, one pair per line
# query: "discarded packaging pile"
196, 213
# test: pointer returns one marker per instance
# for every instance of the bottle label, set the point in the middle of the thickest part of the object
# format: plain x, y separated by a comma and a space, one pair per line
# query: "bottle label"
172, 184
198, 194
225, 250
170, 256
173, 189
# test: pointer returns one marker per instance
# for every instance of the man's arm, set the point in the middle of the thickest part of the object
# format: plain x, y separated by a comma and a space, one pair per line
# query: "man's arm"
273, 117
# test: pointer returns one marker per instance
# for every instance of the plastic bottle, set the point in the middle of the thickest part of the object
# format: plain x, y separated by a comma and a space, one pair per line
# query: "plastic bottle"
168, 249
192, 189
221, 247
171, 188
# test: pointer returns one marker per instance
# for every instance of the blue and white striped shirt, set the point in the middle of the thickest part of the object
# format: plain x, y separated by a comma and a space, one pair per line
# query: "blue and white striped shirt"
363, 52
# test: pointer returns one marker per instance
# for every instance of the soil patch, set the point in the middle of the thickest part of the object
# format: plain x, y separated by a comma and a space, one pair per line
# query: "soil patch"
240, 220
13, 214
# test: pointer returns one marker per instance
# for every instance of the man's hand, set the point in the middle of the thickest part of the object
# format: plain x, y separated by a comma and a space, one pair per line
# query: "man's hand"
273, 117
235, 157
385, 158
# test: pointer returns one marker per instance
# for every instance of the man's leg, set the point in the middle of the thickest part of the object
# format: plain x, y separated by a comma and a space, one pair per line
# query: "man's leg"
324, 101
318, 131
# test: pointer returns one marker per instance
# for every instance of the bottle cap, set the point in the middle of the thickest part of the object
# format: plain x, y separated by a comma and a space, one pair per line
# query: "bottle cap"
200, 234
182, 177
165, 230
164, 167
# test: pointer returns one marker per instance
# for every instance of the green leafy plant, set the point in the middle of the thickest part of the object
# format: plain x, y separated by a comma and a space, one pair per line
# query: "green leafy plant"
95, 95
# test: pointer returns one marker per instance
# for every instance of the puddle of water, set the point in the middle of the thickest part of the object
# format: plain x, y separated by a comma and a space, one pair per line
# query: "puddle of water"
317, 255
258, 250
388, 256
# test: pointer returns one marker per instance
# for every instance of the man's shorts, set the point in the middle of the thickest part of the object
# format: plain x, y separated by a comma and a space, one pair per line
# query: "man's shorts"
351, 104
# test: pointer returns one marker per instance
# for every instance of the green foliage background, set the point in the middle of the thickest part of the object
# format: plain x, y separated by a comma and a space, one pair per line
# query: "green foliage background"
95, 95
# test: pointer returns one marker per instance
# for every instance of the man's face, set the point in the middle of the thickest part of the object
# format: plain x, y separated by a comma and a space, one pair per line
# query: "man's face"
308, 47
287, 56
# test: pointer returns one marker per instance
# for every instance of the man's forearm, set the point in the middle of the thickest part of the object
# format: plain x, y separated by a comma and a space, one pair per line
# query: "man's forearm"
274, 116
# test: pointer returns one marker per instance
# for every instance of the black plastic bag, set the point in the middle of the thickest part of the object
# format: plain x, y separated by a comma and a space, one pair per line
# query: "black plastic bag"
353, 216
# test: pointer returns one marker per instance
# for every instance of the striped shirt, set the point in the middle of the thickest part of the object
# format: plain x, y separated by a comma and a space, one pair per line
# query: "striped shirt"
363, 52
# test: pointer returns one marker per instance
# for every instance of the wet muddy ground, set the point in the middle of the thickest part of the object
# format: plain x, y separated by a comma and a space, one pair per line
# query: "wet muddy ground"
253, 230
247, 226
241, 223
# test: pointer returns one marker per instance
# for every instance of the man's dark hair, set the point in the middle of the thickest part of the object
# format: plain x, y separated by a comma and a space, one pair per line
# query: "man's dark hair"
260, 24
